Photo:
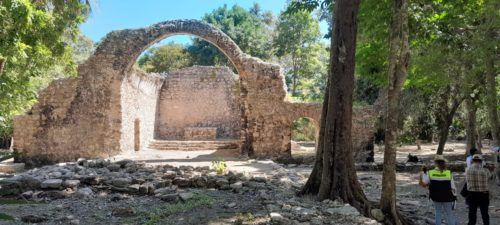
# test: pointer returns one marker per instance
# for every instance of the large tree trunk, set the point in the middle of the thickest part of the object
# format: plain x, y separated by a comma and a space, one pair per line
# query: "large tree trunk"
471, 129
445, 120
334, 174
399, 54
491, 100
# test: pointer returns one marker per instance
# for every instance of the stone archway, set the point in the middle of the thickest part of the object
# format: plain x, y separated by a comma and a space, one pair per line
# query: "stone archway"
93, 115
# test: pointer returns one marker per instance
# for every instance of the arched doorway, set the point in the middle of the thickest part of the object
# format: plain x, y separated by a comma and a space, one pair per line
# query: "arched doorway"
185, 107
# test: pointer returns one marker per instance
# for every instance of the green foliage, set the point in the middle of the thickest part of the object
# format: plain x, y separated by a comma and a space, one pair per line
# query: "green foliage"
372, 50
308, 5
159, 214
304, 58
303, 129
34, 37
242, 218
248, 28
165, 58
219, 166
7, 217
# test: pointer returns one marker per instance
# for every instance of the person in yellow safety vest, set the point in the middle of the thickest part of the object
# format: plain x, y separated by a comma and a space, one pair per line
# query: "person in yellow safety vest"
442, 190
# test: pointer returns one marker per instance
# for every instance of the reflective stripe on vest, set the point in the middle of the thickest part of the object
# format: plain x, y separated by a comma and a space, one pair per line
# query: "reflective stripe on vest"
440, 175
440, 186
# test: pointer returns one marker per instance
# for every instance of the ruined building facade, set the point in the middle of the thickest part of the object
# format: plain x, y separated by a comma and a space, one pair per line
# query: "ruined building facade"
112, 107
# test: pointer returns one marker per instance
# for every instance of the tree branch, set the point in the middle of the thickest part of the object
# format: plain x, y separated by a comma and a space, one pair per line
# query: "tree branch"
2, 65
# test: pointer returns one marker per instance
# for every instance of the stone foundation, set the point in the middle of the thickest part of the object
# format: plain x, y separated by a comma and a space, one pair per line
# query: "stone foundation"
111, 107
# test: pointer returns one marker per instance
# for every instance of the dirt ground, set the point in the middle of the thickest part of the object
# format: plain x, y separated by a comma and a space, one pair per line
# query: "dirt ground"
412, 199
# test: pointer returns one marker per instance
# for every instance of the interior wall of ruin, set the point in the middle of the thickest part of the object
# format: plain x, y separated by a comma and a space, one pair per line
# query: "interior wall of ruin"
139, 98
199, 96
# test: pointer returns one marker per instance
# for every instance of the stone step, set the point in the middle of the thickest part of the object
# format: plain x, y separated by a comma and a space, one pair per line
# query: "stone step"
183, 145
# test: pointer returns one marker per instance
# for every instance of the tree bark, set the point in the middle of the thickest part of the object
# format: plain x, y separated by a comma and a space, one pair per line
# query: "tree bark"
294, 75
334, 174
491, 100
471, 128
399, 55
445, 119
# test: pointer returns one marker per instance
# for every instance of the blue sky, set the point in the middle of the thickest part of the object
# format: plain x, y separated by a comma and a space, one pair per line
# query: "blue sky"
109, 15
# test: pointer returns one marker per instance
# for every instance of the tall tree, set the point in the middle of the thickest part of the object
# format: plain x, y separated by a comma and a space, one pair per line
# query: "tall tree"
447, 103
334, 174
471, 127
35, 30
488, 39
34, 37
297, 37
399, 56
165, 58
246, 28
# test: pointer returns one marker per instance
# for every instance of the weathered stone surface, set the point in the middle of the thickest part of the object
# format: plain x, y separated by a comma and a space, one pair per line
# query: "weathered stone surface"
169, 190
112, 107
71, 183
84, 192
236, 186
345, 210
186, 196
121, 182
378, 214
123, 212
181, 182
33, 219
51, 183
169, 197
199, 103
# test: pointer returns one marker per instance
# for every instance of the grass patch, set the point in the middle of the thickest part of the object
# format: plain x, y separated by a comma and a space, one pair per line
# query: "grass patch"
156, 215
242, 218
4, 216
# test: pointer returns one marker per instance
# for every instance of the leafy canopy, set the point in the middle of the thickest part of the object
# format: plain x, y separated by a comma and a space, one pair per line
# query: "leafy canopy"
33, 38
248, 28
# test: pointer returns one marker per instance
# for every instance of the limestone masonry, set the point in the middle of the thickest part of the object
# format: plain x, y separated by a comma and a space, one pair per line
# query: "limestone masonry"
112, 107
195, 101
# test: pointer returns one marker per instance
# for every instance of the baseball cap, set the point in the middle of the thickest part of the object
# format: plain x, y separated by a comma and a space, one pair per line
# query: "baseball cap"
477, 157
439, 158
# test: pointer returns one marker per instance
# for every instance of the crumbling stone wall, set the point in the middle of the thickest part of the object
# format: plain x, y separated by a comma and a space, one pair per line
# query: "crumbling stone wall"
94, 114
199, 96
140, 93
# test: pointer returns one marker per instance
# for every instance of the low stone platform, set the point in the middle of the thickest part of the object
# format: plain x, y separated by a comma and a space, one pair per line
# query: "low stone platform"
200, 133
190, 145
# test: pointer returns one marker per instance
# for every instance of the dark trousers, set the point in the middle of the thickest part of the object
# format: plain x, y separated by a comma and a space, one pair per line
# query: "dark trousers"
479, 200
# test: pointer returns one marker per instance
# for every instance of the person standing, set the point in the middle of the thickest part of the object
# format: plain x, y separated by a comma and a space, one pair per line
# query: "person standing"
442, 190
477, 185
468, 160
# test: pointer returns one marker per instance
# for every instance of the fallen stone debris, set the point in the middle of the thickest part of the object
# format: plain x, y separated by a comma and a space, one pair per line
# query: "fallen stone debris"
98, 181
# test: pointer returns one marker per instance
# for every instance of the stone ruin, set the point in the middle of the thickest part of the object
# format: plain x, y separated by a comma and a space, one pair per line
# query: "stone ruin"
112, 107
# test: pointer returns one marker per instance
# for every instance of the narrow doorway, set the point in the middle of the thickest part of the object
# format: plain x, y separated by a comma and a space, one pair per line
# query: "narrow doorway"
137, 134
